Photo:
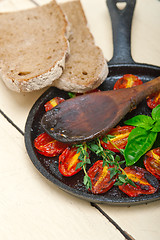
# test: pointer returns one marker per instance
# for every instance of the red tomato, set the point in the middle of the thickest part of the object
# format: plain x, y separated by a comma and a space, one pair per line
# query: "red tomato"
127, 81
120, 140
137, 175
153, 100
48, 146
152, 162
68, 161
100, 178
52, 103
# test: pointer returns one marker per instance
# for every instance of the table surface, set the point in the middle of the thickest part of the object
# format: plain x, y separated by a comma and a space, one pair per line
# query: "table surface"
31, 207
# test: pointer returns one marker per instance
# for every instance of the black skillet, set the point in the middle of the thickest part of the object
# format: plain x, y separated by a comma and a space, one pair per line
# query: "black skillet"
121, 63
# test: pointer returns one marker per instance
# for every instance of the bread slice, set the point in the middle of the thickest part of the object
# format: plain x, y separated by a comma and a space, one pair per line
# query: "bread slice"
86, 67
33, 47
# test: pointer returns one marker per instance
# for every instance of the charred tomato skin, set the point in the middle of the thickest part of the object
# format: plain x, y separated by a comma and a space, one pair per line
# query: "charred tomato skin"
100, 178
127, 81
68, 161
48, 146
153, 100
53, 103
137, 175
121, 138
152, 162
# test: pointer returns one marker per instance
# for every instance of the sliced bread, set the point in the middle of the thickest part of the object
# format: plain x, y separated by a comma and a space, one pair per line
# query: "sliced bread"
86, 67
34, 47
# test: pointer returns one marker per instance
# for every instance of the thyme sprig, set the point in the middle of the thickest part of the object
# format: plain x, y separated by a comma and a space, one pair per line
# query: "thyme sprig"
122, 176
84, 160
110, 159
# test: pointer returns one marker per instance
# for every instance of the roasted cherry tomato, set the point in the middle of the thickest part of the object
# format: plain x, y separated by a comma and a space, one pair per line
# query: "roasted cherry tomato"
153, 100
127, 81
48, 146
120, 140
52, 103
100, 178
68, 161
152, 162
137, 175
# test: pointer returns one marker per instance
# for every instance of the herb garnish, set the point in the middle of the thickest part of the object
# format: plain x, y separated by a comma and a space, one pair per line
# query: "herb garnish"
84, 157
142, 138
109, 159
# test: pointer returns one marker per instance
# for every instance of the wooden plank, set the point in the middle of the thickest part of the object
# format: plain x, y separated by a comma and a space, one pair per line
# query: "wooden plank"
33, 208
140, 221
25, 192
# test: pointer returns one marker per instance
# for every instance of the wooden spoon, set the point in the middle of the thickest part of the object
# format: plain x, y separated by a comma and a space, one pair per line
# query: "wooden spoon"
88, 116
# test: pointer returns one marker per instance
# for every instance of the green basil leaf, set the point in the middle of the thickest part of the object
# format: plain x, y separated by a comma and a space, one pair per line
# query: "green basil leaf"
156, 113
141, 121
156, 127
139, 142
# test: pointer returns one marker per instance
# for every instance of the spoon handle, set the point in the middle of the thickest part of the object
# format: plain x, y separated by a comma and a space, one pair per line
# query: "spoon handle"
144, 90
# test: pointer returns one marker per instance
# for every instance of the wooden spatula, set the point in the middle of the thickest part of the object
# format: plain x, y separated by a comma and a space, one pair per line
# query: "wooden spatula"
88, 116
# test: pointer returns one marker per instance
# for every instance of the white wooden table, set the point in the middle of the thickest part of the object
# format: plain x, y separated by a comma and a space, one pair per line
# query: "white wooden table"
31, 207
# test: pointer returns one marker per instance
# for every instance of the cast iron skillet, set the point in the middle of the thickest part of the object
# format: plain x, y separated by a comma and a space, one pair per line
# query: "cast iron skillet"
121, 63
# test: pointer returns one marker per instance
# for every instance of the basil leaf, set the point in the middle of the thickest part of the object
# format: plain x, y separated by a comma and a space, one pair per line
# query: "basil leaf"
139, 142
143, 121
156, 127
156, 113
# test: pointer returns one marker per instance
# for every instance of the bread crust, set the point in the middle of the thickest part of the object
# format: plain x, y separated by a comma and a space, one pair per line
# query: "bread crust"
86, 67
38, 82
46, 76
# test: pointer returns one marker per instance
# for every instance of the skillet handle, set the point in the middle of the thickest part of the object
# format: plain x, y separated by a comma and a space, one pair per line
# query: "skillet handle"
121, 27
